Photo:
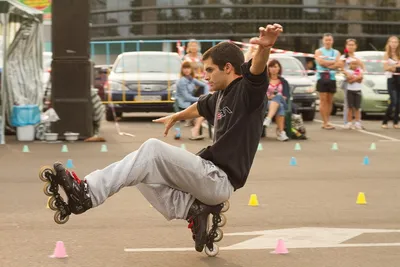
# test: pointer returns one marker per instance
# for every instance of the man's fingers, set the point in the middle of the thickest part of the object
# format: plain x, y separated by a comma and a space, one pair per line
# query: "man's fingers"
159, 120
167, 127
255, 41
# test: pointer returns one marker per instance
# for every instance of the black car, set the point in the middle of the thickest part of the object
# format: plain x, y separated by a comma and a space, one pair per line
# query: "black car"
304, 94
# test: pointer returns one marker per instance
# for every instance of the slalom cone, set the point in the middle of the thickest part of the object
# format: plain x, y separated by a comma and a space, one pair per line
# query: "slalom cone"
293, 161
372, 147
183, 146
59, 251
177, 134
280, 248
69, 164
47, 203
366, 160
297, 147
361, 199
103, 148
335, 146
259, 148
64, 149
253, 201
25, 149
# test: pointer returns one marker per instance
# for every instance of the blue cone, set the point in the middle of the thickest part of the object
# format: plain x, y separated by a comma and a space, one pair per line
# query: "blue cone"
69, 164
293, 161
366, 160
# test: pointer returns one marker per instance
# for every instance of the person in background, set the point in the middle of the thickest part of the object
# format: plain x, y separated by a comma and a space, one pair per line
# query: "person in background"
353, 95
186, 89
327, 60
345, 59
194, 56
277, 94
98, 113
391, 66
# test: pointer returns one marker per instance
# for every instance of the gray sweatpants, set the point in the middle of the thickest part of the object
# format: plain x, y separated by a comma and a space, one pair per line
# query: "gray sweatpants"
169, 177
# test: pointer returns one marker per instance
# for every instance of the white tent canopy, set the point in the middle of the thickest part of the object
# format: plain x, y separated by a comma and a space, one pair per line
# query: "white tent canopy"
20, 57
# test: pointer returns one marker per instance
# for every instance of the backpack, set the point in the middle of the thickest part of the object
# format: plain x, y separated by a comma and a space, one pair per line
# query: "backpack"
298, 130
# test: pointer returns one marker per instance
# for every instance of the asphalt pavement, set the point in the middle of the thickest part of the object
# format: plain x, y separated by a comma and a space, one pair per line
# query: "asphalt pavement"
312, 207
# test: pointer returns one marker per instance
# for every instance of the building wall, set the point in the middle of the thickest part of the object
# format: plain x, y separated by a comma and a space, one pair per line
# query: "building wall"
304, 21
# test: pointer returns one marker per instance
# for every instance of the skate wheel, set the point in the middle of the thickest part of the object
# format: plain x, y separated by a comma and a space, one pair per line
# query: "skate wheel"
43, 171
220, 235
213, 252
226, 206
223, 221
57, 218
46, 189
52, 203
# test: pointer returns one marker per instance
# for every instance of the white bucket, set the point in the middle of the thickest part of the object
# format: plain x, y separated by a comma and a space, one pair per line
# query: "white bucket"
26, 133
51, 136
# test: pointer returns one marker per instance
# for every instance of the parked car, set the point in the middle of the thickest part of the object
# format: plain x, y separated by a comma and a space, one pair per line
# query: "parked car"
142, 82
304, 95
374, 86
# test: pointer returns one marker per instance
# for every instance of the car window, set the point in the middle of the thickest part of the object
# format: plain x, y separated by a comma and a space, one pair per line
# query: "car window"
148, 63
373, 66
291, 67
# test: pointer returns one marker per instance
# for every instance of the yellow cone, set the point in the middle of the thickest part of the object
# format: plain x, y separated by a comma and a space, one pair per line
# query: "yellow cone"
47, 206
361, 199
253, 200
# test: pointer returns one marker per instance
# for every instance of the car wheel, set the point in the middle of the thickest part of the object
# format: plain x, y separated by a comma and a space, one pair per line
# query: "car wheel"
109, 115
308, 116
364, 115
334, 110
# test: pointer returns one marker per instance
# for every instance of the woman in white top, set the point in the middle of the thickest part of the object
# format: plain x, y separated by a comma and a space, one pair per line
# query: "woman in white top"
345, 59
392, 67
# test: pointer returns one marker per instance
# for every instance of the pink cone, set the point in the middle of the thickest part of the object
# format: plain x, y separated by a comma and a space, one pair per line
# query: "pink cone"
280, 248
59, 251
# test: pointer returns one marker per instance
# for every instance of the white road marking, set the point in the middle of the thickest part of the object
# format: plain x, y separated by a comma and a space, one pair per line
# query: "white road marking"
366, 132
304, 237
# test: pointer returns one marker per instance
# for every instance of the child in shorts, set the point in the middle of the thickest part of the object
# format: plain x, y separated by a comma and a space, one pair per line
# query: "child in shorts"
354, 78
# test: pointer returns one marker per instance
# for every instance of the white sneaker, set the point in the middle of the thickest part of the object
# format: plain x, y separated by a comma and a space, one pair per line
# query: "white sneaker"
358, 126
282, 136
267, 122
347, 126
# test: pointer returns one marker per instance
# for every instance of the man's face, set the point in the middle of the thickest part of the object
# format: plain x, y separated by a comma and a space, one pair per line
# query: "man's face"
327, 41
217, 79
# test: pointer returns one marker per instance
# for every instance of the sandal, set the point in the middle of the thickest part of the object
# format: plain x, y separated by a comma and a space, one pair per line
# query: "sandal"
328, 127
199, 137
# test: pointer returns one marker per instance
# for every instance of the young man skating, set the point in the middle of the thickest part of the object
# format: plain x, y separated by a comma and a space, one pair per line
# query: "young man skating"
180, 184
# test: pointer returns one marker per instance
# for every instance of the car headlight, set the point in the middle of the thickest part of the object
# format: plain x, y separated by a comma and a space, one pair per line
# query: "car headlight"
304, 89
116, 86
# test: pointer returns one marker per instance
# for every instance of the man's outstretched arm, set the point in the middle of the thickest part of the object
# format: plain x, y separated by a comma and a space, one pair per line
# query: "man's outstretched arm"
186, 114
265, 42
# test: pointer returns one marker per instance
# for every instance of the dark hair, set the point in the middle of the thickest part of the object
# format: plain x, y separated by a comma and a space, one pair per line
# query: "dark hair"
346, 53
272, 63
224, 53
187, 65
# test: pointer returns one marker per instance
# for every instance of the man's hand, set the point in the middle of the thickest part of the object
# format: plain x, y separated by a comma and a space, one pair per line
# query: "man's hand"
168, 121
265, 41
268, 36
